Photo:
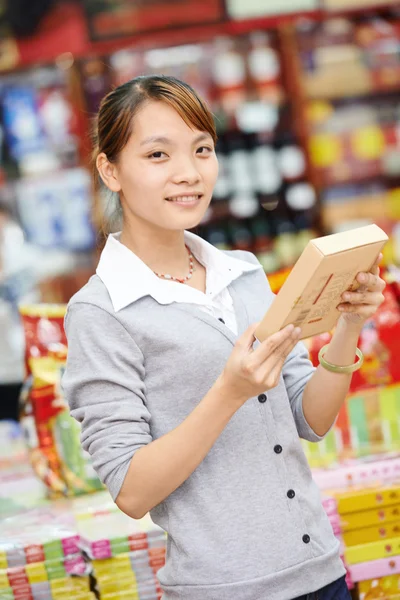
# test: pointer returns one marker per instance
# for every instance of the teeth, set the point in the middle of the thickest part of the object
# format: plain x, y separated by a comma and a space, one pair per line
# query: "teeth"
187, 199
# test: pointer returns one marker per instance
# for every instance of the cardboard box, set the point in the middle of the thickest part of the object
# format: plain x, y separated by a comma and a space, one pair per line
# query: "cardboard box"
327, 267
365, 518
366, 498
375, 569
371, 534
374, 551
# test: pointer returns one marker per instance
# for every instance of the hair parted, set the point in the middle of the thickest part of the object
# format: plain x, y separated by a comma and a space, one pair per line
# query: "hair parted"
115, 120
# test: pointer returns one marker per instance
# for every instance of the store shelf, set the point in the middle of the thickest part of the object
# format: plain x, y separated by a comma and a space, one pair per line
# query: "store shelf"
65, 30
371, 7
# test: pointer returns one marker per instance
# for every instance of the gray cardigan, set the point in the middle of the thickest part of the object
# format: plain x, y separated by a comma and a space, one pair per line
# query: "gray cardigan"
248, 523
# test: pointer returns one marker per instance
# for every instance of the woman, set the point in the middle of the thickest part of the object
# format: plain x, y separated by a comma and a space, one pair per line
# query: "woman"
185, 415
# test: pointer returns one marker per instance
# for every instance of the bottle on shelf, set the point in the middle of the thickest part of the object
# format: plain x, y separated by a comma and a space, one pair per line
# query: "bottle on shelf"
263, 245
243, 202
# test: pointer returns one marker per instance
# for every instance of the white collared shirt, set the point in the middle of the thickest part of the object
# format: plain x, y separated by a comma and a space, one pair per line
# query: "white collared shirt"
127, 278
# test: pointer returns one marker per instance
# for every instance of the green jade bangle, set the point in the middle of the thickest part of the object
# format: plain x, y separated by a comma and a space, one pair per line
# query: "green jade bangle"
347, 370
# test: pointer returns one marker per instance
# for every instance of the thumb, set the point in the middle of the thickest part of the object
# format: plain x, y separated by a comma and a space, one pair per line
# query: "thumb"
248, 338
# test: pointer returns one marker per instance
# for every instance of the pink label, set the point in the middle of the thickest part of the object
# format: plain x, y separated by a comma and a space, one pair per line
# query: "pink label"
70, 545
75, 566
375, 569
101, 549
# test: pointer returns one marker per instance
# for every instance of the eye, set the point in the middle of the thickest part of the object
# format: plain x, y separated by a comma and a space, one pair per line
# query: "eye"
204, 150
157, 155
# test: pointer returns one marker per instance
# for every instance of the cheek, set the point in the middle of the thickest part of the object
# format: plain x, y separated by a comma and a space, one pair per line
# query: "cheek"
144, 180
211, 170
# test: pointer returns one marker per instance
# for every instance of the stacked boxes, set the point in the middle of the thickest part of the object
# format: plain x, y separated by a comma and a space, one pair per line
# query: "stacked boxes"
80, 547
368, 523
125, 556
39, 565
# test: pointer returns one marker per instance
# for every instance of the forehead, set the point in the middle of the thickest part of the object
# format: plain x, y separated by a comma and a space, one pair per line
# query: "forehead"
159, 119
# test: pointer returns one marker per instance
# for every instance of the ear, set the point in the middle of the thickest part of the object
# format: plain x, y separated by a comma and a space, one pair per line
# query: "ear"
108, 173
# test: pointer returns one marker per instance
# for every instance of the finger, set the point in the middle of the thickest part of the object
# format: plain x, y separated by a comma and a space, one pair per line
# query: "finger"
248, 338
370, 281
360, 298
376, 263
364, 310
267, 347
281, 353
277, 358
273, 371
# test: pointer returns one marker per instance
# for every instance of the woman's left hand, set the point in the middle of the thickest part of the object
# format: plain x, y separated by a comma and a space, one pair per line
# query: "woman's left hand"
361, 305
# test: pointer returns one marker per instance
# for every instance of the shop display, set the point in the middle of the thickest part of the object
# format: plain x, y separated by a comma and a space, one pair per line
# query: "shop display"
51, 434
337, 5
384, 587
69, 549
326, 269
349, 58
354, 142
370, 552
127, 17
126, 555
257, 8
55, 210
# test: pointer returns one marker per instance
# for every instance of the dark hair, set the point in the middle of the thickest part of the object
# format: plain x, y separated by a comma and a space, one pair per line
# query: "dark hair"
114, 123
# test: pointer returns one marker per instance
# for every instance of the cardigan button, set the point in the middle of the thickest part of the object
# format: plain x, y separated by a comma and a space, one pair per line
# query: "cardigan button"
222, 321
291, 494
262, 398
306, 538
278, 449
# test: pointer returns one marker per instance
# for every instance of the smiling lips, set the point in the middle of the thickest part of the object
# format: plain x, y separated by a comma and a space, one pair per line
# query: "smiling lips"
185, 199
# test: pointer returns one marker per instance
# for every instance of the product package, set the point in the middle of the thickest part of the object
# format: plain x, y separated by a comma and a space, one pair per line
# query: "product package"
385, 588
40, 558
125, 553
326, 269
53, 437
376, 569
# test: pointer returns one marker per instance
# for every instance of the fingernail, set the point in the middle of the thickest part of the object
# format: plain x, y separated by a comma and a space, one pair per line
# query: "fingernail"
297, 331
341, 308
290, 327
346, 296
362, 277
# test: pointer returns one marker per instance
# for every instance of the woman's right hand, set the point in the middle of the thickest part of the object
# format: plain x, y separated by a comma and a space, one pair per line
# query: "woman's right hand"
250, 372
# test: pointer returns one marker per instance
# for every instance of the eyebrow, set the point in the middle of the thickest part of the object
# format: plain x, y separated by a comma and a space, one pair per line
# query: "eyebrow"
164, 140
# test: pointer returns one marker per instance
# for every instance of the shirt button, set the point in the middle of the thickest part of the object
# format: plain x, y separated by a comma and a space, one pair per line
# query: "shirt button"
278, 449
306, 538
222, 321
262, 398
291, 494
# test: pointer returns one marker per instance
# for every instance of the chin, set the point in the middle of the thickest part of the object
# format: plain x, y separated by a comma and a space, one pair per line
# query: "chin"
189, 220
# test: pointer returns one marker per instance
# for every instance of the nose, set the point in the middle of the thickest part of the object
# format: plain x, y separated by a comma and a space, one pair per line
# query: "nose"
186, 172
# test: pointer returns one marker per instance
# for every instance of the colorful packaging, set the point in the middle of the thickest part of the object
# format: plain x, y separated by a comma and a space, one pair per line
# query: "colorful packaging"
385, 588
53, 437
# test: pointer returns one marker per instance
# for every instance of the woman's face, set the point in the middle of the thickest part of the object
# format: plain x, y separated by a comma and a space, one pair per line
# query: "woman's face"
167, 171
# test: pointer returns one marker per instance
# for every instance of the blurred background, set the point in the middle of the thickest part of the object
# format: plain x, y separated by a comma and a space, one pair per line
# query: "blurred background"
306, 96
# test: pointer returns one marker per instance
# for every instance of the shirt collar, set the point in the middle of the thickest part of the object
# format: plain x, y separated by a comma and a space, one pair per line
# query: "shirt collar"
127, 278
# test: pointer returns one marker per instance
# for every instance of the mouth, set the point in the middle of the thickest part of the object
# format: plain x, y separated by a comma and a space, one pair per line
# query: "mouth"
185, 200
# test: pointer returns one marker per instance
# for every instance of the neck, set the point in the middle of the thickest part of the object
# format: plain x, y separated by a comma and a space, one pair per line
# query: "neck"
162, 251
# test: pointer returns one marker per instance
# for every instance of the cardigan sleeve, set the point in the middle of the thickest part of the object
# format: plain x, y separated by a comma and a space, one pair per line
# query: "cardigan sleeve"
297, 371
104, 386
